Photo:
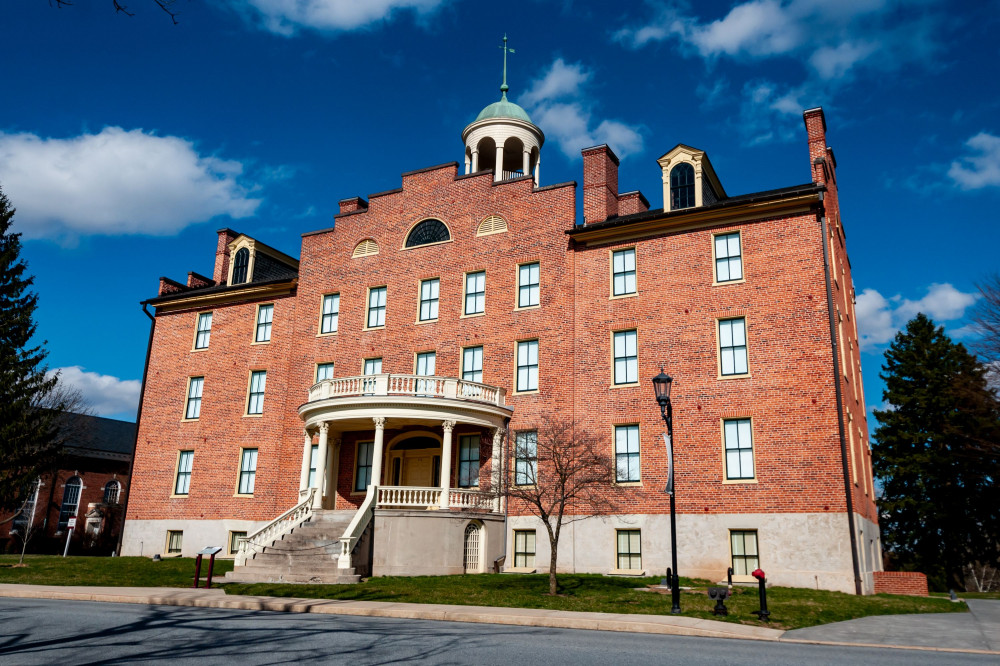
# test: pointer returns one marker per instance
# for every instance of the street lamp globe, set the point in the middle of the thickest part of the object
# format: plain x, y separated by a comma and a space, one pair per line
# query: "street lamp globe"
661, 385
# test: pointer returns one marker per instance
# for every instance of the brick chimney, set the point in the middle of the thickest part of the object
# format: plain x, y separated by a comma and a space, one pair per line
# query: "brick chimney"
600, 184
221, 273
820, 156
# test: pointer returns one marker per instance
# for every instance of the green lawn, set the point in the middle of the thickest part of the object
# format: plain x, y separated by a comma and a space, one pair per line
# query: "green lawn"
791, 608
114, 571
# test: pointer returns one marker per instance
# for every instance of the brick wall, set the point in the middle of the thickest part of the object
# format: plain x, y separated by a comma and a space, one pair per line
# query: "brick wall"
900, 582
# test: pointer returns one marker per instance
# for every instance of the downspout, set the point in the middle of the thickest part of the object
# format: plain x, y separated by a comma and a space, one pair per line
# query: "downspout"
503, 481
138, 419
831, 312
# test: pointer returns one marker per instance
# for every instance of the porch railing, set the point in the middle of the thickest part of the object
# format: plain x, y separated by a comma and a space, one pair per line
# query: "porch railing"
408, 385
356, 528
275, 529
424, 498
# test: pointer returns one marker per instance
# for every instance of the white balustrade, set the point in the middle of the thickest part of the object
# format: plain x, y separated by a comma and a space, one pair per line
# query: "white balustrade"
407, 385
276, 529
425, 498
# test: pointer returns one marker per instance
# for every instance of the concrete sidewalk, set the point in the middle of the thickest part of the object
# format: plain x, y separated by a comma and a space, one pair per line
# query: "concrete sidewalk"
977, 632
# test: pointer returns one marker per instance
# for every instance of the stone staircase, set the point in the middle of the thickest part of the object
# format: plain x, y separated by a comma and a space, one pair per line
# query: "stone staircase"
307, 554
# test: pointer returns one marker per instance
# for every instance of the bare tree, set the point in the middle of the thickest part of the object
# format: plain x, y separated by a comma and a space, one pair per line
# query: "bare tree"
121, 8
24, 519
982, 577
562, 474
986, 317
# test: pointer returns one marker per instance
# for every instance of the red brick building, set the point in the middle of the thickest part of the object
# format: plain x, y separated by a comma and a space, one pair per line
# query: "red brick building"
377, 389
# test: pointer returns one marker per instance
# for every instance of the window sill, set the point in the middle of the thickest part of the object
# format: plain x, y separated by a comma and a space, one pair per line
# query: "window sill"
520, 570
417, 247
738, 482
728, 377
726, 282
253, 416
612, 297
326, 335
627, 572
190, 420
250, 495
527, 392
261, 342
473, 315
374, 328
527, 307
629, 385
744, 579
199, 349
525, 486
629, 484
426, 321
178, 496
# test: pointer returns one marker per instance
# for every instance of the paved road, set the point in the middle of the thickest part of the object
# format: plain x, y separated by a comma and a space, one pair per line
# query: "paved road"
45, 632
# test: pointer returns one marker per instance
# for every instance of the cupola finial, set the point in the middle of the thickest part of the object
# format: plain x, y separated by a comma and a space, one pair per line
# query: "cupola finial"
506, 49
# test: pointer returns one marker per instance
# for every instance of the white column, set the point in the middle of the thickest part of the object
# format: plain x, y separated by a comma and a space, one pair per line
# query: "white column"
526, 161
538, 166
447, 426
324, 429
496, 466
306, 454
335, 471
377, 454
475, 161
498, 171
468, 163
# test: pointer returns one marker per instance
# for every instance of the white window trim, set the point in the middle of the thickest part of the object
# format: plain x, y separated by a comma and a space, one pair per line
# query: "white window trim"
256, 323
743, 263
420, 302
718, 346
538, 378
614, 452
385, 313
638, 381
611, 272
753, 449
322, 302
517, 285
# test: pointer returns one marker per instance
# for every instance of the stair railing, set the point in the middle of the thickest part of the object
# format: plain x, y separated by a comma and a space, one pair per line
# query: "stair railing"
274, 530
357, 527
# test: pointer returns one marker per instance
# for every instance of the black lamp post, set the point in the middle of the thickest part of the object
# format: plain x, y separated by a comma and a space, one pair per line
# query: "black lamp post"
661, 385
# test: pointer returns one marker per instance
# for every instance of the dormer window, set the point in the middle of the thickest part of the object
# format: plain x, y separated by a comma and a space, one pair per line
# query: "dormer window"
240, 265
427, 232
682, 186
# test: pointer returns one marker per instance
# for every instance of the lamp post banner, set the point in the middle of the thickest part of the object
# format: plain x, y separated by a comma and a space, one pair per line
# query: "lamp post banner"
670, 464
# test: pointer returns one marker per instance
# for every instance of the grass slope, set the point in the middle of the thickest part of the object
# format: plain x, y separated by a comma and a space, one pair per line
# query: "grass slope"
110, 571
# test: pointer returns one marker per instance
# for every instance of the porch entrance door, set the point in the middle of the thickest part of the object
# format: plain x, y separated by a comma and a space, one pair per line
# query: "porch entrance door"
417, 470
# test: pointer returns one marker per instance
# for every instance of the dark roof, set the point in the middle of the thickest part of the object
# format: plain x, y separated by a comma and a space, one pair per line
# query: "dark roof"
755, 197
216, 289
96, 433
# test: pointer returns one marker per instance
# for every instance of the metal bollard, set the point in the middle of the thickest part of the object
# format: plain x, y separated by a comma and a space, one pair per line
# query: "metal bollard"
763, 613
729, 577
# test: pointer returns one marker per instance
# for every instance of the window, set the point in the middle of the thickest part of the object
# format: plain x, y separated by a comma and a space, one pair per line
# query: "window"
629, 550
330, 317
373, 366
526, 458
376, 307
183, 482
739, 448
626, 358
527, 365
265, 313
429, 293
248, 471
468, 461
745, 557
728, 257
313, 454
258, 382
112, 491
427, 232
494, 224
626, 453
174, 540
365, 248
472, 364
193, 408
623, 272
475, 292
524, 549
70, 501
324, 371
363, 472
425, 368
733, 346
204, 334
240, 265
527, 285
681, 186
234, 541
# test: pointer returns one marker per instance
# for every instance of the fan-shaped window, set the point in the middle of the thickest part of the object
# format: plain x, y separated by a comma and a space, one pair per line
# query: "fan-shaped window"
682, 186
112, 489
240, 265
494, 224
365, 248
426, 232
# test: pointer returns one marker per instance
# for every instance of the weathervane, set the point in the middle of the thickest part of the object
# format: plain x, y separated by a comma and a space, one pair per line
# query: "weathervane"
506, 50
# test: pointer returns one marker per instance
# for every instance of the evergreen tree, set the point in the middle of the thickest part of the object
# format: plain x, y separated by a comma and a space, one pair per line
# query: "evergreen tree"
28, 443
936, 456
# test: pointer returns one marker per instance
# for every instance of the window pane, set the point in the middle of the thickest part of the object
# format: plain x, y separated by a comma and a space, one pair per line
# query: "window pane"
722, 270
734, 245
739, 331
736, 269
721, 247
740, 361
324, 371
726, 333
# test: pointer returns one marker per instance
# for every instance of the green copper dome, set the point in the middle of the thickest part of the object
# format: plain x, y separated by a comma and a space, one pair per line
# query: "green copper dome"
503, 109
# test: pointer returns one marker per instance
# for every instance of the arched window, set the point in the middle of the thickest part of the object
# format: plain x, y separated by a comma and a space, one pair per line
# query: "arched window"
240, 265
70, 501
682, 186
112, 489
428, 231
365, 248
471, 555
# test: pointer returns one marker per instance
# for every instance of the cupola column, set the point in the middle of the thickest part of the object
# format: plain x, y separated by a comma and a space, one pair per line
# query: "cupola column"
475, 161
538, 166
526, 169
468, 164
498, 169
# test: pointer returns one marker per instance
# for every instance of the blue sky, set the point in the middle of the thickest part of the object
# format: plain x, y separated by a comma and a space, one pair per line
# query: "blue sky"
126, 142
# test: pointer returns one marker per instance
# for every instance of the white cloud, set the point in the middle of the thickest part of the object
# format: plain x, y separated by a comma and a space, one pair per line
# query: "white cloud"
982, 167
879, 318
106, 395
834, 62
116, 182
285, 17
556, 101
